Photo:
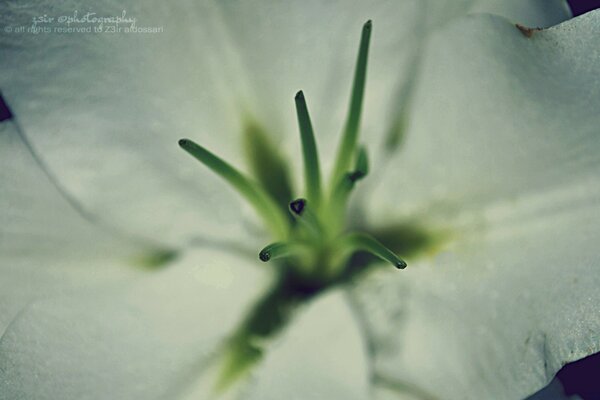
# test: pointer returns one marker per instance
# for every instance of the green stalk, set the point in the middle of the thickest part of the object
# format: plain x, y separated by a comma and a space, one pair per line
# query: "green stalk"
259, 199
312, 174
361, 241
305, 215
350, 136
277, 250
341, 192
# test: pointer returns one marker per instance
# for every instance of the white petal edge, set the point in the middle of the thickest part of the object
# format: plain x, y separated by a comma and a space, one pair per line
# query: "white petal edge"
496, 116
510, 124
499, 312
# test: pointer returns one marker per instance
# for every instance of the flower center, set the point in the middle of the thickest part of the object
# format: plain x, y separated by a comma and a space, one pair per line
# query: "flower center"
314, 249
314, 242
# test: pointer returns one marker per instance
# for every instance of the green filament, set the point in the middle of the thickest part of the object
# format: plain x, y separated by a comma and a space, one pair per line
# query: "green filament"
304, 214
350, 135
344, 187
312, 175
361, 241
277, 250
261, 201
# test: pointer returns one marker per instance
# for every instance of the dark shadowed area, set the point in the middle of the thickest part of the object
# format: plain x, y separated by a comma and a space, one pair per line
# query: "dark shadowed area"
579, 7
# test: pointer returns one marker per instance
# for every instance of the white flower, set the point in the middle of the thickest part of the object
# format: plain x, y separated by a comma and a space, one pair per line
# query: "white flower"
499, 153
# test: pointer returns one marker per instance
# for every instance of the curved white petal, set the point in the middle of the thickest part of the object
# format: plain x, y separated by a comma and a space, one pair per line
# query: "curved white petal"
151, 339
498, 115
46, 246
538, 13
99, 113
105, 110
312, 46
498, 313
505, 130
320, 355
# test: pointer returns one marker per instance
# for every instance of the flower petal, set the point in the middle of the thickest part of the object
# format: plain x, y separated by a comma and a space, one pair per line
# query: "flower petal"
46, 246
506, 129
148, 340
280, 41
321, 355
107, 124
498, 313
498, 115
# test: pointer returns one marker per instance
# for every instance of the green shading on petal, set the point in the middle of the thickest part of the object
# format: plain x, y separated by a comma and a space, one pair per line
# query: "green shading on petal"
396, 133
266, 164
357, 241
155, 259
411, 240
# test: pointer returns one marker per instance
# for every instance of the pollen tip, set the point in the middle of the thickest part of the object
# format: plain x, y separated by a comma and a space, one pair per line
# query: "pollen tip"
400, 265
526, 31
183, 142
264, 256
356, 176
297, 206
299, 95
368, 24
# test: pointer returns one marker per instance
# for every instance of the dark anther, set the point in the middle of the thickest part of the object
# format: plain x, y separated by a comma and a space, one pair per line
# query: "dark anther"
297, 206
356, 175
264, 256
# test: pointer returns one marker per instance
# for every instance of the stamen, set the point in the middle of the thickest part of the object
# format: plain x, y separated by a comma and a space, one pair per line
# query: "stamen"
312, 175
277, 250
361, 241
297, 206
352, 123
342, 190
346, 184
261, 201
304, 214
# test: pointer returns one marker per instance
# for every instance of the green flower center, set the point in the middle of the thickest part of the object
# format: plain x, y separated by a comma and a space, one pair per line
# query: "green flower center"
314, 240
313, 247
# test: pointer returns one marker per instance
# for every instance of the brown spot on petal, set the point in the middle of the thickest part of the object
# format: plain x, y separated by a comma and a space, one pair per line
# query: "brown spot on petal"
528, 32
